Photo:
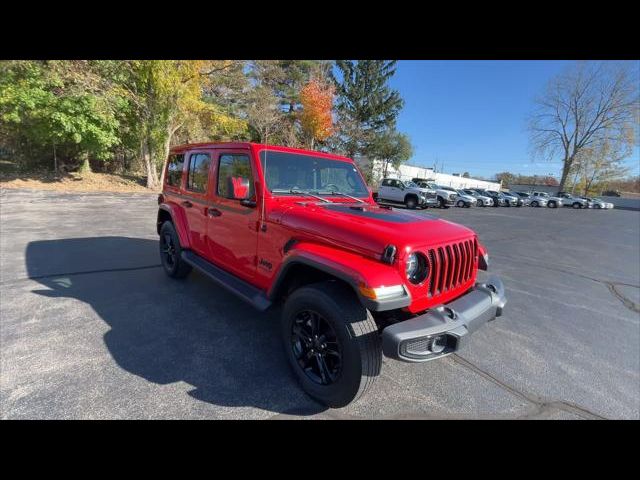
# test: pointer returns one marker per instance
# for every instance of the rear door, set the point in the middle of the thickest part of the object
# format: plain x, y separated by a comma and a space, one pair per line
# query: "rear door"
383, 192
194, 199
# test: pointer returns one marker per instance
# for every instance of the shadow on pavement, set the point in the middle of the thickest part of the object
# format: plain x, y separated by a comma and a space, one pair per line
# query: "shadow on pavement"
166, 330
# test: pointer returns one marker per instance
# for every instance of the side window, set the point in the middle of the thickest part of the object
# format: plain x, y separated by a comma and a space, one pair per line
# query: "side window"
174, 170
235, 180
198, 173
386, 183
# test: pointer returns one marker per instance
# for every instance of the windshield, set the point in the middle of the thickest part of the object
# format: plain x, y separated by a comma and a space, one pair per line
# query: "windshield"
307, 173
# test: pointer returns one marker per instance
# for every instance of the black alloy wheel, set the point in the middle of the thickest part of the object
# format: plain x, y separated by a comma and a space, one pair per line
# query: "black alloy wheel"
316, 348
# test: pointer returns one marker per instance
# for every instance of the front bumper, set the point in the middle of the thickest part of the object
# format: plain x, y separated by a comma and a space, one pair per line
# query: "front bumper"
444, 329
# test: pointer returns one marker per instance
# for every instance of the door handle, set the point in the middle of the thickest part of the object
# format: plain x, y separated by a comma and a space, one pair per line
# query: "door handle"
187, 204
213, 212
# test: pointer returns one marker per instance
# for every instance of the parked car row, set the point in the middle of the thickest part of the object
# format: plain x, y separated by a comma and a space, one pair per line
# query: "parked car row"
422, 193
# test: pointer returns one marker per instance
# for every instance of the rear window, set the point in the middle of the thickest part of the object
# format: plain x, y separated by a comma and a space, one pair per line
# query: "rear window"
174, 169
198, 174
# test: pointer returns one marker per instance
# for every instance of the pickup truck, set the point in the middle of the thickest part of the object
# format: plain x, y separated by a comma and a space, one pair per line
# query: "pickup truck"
405, 192
352, 280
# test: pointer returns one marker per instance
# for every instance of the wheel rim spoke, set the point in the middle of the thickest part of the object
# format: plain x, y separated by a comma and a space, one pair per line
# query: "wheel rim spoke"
316, 347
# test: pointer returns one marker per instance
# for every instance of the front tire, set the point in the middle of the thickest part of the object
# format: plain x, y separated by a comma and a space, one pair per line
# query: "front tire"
442, 203
331, 342
576, 205
552, 204
534, 204
170, 252
460, 204
480, 203
410, 203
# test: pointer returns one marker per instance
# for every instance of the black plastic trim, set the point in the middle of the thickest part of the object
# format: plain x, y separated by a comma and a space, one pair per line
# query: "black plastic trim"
242, 289
373, 305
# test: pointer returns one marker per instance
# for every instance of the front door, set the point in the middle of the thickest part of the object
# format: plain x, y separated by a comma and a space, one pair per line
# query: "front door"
232, 223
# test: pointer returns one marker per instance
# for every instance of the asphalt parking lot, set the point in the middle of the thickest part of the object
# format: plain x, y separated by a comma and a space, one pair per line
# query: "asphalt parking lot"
90, 326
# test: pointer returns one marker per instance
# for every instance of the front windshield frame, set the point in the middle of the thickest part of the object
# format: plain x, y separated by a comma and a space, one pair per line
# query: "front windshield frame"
359, 189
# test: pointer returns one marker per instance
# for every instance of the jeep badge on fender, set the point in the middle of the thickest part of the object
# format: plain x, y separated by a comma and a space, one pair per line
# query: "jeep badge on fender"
356, 280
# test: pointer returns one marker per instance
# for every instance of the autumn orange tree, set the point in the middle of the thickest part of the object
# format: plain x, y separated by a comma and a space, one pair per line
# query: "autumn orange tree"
316, 118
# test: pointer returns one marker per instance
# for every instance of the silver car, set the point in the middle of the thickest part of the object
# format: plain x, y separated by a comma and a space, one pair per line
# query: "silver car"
552, 202
481, 200
464, 200
574, 202
532, 200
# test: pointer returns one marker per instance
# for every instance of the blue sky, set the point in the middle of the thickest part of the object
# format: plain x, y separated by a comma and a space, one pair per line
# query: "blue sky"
471, 115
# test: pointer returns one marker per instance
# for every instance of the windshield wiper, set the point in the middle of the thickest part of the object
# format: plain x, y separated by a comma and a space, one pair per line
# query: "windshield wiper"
335, 192
301, 192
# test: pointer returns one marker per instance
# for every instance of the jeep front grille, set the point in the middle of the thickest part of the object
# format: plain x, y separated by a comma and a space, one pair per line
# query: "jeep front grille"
450, 266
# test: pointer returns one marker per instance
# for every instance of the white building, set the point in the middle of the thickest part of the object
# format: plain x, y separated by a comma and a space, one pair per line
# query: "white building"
407, 172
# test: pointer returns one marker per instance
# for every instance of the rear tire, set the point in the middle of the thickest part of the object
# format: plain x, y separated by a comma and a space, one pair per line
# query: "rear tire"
171, 251
352, 356
576, 205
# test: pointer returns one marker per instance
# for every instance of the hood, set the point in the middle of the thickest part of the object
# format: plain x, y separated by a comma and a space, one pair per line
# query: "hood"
368, 229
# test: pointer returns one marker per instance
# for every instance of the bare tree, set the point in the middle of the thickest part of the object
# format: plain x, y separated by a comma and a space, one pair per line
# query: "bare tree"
588, 104
263, 113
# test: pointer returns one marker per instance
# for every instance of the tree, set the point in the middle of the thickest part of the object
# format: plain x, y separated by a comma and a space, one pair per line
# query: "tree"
366, 105
316, 118
586, 105
165, 96
263, 113
392, 148
506, 178
63, 107
600, 165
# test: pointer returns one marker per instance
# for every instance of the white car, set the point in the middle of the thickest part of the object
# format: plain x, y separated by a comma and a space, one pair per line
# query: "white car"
599, 203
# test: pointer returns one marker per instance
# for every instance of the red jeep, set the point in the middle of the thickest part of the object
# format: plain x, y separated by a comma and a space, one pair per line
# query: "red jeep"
356, 280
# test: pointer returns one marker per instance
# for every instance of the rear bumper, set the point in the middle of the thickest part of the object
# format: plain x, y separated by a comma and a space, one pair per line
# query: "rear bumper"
444, 330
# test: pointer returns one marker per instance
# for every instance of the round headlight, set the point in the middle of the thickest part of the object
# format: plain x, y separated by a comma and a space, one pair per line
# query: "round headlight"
416, 268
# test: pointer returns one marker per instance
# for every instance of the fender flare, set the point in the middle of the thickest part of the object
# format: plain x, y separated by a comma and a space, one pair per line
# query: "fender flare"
353, 277
179, 221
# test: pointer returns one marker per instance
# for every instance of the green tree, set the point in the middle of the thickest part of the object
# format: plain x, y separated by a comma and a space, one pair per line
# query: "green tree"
392, 147
61, 106
366, 105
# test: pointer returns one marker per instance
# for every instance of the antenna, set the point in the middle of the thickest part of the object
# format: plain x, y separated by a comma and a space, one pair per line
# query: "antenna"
263, 225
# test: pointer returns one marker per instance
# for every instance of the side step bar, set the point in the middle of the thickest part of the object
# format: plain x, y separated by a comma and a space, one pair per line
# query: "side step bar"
242, 289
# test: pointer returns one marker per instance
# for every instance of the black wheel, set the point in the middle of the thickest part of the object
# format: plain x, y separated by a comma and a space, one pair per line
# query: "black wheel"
410, 202
170, 251
480, 204
597, 205
534, 204
331, 342
552, 204
576, 205
460, 203
442, 203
